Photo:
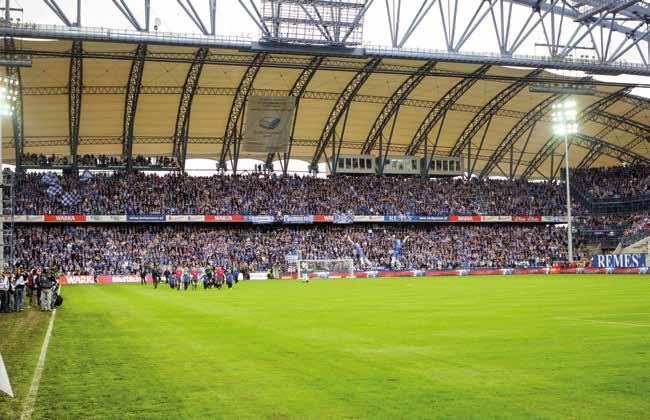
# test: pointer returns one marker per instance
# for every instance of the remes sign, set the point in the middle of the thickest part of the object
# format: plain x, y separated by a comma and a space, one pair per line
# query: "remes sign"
619, 261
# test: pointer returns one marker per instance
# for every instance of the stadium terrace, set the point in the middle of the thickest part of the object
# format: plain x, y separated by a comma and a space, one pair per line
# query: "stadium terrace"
366, 209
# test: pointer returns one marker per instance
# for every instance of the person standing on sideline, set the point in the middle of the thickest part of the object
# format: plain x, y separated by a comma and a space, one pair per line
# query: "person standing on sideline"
155, 274
143, 276
229, 278
235, 274
20, 291
167, 274
186, 278
46, 291
29, 289
4, 293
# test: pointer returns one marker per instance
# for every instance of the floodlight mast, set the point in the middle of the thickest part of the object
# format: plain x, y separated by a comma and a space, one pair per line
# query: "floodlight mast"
564, 124
8, 95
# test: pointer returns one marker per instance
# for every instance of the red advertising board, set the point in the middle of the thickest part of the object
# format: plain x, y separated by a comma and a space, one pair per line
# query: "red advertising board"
456, 218
63, 218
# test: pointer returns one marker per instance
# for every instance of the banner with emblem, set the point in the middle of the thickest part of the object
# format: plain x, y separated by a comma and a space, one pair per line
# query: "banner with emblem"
269, 121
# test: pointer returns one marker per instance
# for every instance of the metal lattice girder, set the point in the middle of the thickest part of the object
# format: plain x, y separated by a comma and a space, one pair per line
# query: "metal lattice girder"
343, 102
231, 134
185, 106
297, 91
393, 104
596, 151
488, 111
609, 149
299, 63
444, 104
622, 123
75, 93
133, 86
550, 145
634, 143
610, 20
17, 115
522, 126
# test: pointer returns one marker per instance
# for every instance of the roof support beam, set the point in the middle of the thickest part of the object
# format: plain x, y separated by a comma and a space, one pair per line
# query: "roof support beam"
394, 102
523, 125
17, 115
190, 11
548, 147
611, 149
622, 123
131, 102
442, 106
75, 89
298, 89
489, 109
232, 135
384, 156
596, 150
128, 14
185, 106
56, 9
343, 102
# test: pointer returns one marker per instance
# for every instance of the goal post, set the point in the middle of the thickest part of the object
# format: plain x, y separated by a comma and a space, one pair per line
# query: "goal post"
326, 268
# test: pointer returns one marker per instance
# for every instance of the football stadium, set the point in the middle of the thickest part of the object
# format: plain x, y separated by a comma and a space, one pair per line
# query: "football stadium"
325, 209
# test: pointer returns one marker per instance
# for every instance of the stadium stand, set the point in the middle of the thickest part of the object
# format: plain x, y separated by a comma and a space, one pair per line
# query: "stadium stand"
620, 183
261, 193
130, 249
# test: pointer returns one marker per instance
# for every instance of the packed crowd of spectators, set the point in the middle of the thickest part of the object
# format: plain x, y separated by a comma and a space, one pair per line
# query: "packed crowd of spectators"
97, 161
615, 222
131, 249
270, 194
614, 183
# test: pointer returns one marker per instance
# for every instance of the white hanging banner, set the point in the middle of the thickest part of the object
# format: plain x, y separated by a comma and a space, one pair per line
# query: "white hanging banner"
5, 386
269, 121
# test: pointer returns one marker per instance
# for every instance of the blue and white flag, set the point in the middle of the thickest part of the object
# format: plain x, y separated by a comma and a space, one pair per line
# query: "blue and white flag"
70, 199
50, 179
86, 176
343, 219
54, 190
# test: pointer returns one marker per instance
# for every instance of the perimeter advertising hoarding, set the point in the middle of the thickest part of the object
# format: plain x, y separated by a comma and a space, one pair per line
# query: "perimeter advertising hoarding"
146, 218
269, 121
619, 261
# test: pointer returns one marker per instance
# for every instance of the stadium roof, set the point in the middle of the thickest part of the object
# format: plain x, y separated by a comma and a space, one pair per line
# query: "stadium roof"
368, 102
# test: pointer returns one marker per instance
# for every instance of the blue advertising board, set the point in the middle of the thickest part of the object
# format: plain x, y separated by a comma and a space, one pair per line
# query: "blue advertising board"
619, 261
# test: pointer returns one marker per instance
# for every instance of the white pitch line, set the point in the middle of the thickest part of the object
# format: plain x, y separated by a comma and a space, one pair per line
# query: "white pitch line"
617, 323
30, 401
627, 324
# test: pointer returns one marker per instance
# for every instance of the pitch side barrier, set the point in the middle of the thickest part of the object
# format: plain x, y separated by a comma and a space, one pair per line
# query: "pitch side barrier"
336, 219
103, 279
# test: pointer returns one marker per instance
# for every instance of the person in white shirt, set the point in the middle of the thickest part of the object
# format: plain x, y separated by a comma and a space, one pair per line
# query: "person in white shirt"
4, 293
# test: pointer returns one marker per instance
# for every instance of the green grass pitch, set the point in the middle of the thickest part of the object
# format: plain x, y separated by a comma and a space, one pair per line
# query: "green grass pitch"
481, 347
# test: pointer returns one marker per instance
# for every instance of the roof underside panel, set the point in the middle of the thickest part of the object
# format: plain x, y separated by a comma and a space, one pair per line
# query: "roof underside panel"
106, 70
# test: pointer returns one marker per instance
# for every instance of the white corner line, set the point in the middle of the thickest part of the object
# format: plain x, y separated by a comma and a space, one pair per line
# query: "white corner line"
30, 400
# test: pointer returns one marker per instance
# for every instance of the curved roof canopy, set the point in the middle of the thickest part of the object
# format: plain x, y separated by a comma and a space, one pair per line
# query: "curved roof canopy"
95, 97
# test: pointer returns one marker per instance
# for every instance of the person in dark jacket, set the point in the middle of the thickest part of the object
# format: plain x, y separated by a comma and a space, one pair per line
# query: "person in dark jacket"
47, 282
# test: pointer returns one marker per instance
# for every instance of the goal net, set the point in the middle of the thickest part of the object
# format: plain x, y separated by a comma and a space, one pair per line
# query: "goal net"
326, 268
